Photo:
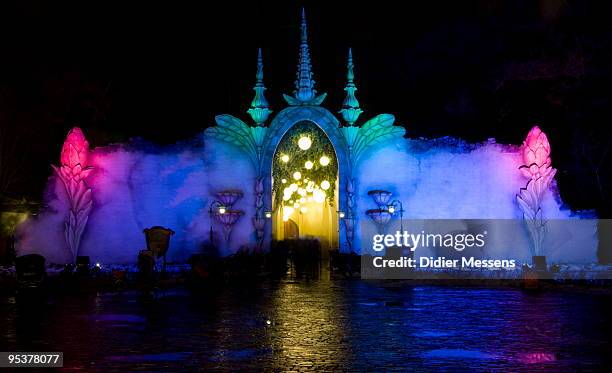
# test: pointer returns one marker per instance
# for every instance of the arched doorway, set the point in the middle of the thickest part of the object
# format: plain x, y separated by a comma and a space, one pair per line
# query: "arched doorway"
305, 185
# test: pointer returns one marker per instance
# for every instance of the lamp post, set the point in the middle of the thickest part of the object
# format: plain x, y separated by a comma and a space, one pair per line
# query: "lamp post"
391, 207
220, 209
341, 215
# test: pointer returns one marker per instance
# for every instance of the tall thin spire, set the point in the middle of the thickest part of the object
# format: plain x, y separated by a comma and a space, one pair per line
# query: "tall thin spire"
350, 106
259, 110
304, 83
304, 93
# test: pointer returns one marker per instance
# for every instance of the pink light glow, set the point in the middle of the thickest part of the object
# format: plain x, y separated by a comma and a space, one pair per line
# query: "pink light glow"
74, 157
537, 357
536, 154
75, 149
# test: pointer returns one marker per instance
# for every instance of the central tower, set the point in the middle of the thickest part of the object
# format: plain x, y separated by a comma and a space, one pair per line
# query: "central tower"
335, 219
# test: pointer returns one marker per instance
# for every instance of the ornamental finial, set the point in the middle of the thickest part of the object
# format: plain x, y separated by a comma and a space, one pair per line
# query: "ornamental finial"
305, 94
259, 110
350, 106
303, 29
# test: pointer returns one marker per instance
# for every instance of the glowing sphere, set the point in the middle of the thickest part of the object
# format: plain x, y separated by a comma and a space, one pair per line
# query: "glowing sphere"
301, 192
296, 205
304, 143
324, 160
284, 181
304, 210
303, 200
325, 185
297, 175
293, 187
288, 211
309, 199
318, 196
286, 197
308, 165
285, 158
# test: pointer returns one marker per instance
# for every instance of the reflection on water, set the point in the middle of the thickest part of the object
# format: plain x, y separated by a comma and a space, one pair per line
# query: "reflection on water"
309, 326
343, 325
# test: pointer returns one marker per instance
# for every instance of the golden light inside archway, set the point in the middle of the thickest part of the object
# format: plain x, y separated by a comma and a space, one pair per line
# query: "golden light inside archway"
324, 161
304, 142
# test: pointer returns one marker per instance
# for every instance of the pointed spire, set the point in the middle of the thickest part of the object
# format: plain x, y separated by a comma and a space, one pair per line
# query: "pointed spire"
304, 83
305, 94
259, 110
350, 106
303, 29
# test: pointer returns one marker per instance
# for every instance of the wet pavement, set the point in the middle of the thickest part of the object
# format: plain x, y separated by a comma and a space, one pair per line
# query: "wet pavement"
319, 325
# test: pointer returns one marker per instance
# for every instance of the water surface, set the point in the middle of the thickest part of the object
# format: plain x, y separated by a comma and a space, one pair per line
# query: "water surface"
322, 325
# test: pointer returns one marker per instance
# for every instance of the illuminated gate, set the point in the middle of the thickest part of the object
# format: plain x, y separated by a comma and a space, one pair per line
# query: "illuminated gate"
305, 186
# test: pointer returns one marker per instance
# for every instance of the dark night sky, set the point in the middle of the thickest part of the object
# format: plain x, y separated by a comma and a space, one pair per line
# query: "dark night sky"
473, 69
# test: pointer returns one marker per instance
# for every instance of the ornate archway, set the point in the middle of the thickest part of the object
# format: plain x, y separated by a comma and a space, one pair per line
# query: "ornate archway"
350, 141
320, 220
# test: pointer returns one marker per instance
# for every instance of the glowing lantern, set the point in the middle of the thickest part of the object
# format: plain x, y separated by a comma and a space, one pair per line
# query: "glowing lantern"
325, 185
284, 181
309, 199
286, 197
304, 143
303, 200
318, 196
324, 160
308, 165
297, 175
285, 158
293, 187
296, 205
287, 212
301, 192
